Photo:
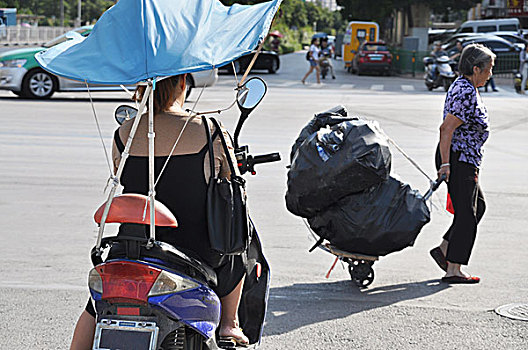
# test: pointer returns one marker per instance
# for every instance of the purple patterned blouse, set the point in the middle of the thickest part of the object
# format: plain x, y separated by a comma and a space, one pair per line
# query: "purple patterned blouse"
464, 102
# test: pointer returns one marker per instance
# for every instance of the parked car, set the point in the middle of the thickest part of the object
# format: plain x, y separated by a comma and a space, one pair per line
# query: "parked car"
21, 74
372, 56
491, 25
507, 53
514, 39
266, 60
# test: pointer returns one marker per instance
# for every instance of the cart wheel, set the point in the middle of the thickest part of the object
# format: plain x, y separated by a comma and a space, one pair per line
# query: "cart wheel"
361, 272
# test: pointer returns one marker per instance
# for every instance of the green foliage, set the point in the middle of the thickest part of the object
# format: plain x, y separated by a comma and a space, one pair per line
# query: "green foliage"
91, 10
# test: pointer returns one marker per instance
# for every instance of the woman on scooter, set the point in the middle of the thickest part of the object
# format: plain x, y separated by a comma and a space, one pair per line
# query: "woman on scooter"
182, 188
463, 132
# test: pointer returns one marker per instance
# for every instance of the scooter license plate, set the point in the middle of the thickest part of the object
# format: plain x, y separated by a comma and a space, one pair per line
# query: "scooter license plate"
125, 335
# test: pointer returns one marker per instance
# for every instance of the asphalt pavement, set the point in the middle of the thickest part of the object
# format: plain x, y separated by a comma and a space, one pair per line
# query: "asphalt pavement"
54, 172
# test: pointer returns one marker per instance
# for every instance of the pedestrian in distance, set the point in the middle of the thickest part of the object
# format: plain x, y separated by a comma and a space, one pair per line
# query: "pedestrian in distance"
463, 132
492, 83
313, 58
523, 68
454, 55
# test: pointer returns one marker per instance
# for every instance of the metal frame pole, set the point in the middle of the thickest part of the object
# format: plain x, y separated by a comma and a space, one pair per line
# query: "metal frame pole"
124, 157
152, 192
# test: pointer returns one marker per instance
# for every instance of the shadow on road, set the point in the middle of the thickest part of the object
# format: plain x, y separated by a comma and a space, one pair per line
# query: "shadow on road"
300, 305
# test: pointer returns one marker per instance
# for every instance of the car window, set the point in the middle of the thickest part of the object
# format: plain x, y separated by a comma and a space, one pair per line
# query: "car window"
508, 28
62, 38
512, 38
486, 29
466, 30
375, 48
495, 45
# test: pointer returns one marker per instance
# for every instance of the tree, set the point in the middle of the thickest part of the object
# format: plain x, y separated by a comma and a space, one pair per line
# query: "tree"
91, 9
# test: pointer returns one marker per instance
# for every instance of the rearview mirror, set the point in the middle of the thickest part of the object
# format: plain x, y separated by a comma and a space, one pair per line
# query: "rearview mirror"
248, 97
250, 94
124, 113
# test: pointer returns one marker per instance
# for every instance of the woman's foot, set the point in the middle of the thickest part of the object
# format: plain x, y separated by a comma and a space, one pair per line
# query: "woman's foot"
302, 81
234, 334
455, 275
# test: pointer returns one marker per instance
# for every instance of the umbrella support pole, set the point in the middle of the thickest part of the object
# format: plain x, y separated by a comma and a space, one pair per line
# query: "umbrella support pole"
152, 192
124, 157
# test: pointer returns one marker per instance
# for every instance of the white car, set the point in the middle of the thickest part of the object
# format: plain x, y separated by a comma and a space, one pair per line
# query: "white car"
21, 74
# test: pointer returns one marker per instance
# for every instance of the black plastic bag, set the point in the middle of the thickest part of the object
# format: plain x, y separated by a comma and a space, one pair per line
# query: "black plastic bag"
334, 162
330, 117
381, 220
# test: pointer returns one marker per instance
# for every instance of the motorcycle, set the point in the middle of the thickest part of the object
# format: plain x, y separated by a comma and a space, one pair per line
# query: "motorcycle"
324, 63
150, 295
438, 72
517, 81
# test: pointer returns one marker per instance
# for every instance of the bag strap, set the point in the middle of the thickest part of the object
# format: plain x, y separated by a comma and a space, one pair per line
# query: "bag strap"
224, 144
210, 145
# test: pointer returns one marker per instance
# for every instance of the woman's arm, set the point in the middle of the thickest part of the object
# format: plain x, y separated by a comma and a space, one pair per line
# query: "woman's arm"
446, 134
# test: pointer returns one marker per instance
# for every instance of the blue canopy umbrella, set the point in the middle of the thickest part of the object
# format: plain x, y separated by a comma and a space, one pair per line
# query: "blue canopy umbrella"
140, 39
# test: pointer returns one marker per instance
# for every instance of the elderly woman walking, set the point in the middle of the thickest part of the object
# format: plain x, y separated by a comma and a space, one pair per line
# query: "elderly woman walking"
458, 157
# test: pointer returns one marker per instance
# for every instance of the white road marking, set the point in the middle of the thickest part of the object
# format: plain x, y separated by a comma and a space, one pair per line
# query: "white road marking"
407, 87
347, 86
289, 83
377, 87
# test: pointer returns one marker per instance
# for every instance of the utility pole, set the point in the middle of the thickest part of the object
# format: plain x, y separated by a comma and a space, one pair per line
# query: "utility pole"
62, 13
78, 19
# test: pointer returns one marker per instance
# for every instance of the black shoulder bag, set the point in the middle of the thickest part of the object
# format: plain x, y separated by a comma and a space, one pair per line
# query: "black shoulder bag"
227, 216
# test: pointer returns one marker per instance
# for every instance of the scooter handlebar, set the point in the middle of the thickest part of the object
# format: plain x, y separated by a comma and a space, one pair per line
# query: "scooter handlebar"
266, 158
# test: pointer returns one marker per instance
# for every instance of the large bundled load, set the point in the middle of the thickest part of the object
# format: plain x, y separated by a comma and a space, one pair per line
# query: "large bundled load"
383, 219
339, 180
335, 160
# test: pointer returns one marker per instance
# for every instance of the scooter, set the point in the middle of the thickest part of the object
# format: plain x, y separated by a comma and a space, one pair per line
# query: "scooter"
325, 64
150, 295
517, 81
438, 75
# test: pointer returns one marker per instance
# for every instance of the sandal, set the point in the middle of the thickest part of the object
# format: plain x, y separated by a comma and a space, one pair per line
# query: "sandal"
233, 341
439, 258
461, 279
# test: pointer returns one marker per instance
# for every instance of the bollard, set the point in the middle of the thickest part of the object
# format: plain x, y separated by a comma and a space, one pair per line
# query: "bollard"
413, 63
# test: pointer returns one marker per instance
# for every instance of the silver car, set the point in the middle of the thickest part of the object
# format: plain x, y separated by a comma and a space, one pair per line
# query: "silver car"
21, 74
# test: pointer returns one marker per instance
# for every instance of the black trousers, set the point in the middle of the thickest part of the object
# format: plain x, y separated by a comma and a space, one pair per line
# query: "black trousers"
468, 202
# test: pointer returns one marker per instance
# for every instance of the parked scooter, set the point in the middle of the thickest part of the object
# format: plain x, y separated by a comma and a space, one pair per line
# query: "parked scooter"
438, 73
150, 295
517, 81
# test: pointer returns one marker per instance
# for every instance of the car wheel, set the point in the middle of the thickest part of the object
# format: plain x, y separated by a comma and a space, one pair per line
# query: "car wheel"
188, 86
38, 84
274, 66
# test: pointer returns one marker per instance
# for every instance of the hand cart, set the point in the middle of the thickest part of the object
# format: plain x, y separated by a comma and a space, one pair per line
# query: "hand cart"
359, 265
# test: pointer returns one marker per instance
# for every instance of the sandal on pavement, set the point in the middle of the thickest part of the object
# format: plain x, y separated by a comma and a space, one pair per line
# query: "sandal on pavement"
461, 279
240, 340
439, 258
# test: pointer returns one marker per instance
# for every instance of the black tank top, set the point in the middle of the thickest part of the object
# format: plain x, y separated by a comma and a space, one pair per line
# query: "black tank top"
183, 189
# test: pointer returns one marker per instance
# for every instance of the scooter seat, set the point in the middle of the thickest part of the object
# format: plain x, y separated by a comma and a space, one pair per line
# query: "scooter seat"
130, 208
